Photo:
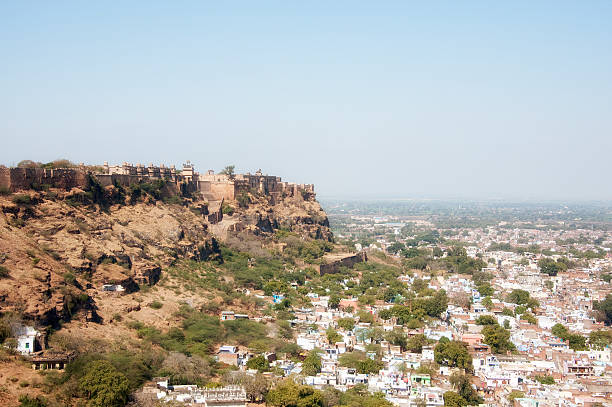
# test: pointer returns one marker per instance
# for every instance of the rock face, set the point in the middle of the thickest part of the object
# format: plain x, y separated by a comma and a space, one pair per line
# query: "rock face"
57, 255
263, 216
57, 251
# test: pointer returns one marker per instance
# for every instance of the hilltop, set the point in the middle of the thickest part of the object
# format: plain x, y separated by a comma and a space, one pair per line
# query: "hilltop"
70, 237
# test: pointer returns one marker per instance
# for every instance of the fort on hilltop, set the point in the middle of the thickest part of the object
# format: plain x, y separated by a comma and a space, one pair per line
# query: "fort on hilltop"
213, 187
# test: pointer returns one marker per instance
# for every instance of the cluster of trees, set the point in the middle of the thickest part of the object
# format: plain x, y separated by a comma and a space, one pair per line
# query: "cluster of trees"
605, 309
61, 163
545, 379
199, 333
308, 251
465, 393
459, 262
522, 297
361, 362
496, 336
576, 341
417, 309
601, 338
453, 354
289, 394
551, 267
101, 379
456, 260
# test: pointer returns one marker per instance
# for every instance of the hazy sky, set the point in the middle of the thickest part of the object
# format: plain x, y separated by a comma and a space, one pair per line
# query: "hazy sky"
457, 99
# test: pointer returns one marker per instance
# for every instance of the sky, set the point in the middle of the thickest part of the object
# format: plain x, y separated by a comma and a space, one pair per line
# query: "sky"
384, 99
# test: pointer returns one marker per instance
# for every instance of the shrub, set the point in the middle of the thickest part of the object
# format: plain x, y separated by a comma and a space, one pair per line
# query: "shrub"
288, 393
227, 209
486, 320
529, 317
4, 272
453, 354
260, 363
156, 305
515, 394
545, 379
104, 385
173, 200
4, 191
22, 199
27, 401
61, 163
243, 200
69, 278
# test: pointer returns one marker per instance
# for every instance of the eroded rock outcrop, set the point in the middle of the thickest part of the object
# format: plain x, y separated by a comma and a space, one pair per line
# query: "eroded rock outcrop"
58, 253
60, 247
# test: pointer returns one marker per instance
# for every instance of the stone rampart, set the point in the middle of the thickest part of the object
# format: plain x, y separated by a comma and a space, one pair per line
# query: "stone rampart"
214, 187
16, 179
349, 262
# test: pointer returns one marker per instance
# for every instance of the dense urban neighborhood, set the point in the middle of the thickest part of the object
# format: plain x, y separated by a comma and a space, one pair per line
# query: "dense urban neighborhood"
152, 293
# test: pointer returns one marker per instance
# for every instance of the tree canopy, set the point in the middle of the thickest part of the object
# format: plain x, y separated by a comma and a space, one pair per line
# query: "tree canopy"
104, 385
497, 338
452, 354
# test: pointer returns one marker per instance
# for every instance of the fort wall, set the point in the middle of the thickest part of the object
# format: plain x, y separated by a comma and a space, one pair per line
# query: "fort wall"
349, 262
15, 179
217, 190
214, 187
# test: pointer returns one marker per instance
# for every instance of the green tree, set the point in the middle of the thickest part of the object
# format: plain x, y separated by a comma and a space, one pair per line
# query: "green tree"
385, 314
365, 316
415, 343
228, 170
368, 365
312, 364
104, 385
346, 323
27, 401
453, 399
605, 307
551, 267
486, 320
577, 342
560, 331
487, 302
485, 289
529, 317
518, 296
462, 384
260, 363
333, 336
601, 338
334, 301
290, 394
453, 354
397, 337
481, 277
545, 379
497, 338
395, 248
521, 309
515, 394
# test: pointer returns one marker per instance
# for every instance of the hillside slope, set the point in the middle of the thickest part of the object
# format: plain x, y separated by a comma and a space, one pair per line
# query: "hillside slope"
59, 248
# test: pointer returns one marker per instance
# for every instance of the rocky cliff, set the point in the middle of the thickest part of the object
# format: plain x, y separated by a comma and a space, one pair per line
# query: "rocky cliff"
58, 247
